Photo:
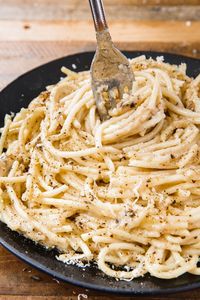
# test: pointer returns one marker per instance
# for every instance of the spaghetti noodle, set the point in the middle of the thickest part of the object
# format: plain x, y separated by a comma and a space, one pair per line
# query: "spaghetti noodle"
124, 193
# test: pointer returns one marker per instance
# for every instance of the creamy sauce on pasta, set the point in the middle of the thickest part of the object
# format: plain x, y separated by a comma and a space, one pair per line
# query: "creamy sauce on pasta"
124, 193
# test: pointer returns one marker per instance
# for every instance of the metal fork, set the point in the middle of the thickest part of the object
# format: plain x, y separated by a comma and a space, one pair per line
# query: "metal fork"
111, 72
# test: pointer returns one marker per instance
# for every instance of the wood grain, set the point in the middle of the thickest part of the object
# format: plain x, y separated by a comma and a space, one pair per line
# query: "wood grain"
122, 31
83, 3
115, 10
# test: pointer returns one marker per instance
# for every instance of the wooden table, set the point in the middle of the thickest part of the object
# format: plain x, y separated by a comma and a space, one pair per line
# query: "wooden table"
34, 32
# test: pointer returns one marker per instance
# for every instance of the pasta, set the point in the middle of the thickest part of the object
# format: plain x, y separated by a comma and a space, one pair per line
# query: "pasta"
124, 193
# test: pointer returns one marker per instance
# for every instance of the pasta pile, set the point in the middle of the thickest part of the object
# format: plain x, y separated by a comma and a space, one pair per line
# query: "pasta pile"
124, 193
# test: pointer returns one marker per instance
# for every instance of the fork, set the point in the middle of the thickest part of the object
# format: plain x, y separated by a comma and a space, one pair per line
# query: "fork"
111, 72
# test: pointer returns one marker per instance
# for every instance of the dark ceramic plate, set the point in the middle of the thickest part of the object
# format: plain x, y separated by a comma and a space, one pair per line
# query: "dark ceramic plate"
18, 94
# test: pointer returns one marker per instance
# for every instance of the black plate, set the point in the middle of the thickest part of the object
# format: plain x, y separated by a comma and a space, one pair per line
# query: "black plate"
18, 94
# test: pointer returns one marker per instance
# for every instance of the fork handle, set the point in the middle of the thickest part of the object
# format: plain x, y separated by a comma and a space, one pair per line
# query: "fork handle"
98, 15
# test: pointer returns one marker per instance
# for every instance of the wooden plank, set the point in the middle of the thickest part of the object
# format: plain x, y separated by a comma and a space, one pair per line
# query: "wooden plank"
122, 31
17, 58
79, 3
115, 10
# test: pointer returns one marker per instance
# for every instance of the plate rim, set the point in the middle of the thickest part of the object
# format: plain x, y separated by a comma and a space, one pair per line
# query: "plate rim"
35, 264
141, 52
41, 267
